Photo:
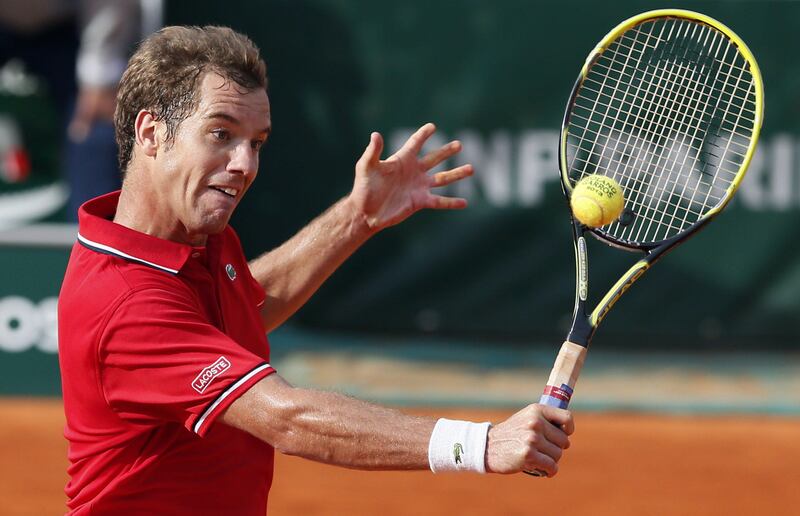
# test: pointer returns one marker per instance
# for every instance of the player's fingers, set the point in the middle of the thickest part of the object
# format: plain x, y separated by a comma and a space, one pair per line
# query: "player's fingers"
569, 426
415, 142
440, 202
435, 157
560, 418
541, 462
556, 435
372, 154
451, 176
546, 446
548, 421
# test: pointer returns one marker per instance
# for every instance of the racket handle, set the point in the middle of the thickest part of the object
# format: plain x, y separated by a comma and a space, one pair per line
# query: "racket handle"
561, 384
564, 376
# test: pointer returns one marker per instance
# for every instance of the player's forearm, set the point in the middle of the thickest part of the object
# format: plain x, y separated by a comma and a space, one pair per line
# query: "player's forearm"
332, 428
291, 273
338, 430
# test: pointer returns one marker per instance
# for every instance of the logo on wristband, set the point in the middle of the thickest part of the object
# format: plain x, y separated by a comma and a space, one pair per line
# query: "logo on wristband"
457, 451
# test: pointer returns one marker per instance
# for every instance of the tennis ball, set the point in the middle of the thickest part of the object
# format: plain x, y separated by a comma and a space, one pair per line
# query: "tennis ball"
597, 200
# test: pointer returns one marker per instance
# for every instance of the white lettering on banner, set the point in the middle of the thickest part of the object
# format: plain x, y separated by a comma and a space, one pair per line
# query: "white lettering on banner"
537, 165
494, 162
48, 309
514, 169
772, 179
25, 325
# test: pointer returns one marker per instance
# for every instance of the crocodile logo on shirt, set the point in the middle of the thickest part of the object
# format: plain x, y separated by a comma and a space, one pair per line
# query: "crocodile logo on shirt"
231, 272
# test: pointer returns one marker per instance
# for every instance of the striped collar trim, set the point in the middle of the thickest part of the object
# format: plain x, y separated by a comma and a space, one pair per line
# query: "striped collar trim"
107, 249
98, 232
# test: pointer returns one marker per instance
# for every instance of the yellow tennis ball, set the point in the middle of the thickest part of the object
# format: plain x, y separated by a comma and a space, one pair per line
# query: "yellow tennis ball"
597, 200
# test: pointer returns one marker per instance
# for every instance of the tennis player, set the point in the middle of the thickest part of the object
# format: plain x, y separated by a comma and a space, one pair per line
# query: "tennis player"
172, 405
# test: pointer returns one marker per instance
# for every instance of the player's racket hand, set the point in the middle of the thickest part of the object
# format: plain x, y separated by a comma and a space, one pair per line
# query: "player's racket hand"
533, 439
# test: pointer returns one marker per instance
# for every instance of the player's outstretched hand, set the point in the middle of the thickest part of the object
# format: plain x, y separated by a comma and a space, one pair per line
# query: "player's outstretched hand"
389, 191
532, 439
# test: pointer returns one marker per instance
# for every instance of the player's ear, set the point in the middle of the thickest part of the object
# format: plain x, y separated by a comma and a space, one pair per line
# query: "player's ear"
146, 133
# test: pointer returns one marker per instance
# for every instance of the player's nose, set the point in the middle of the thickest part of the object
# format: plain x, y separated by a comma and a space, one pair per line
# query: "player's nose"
243, 160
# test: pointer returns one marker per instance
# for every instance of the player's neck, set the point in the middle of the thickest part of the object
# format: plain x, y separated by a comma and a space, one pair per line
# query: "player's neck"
142, 210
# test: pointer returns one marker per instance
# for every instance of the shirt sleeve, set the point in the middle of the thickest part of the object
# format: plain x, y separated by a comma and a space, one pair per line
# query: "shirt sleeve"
160, 360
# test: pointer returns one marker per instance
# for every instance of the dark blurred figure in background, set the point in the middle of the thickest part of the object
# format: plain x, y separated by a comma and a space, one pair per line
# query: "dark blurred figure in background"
79, 49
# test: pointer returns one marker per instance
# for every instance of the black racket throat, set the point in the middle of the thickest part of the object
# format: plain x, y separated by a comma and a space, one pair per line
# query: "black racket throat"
585, 322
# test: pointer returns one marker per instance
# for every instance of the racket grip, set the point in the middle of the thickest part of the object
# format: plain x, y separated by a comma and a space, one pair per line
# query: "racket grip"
564, 375
561, 383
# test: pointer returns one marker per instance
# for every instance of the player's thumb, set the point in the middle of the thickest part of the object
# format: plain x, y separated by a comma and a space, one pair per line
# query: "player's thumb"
372, 154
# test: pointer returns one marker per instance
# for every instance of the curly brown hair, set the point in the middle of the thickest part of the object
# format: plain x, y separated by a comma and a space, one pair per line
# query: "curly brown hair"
164, 73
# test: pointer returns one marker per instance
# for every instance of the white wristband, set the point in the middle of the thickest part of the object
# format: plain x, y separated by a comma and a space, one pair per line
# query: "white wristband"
458, 446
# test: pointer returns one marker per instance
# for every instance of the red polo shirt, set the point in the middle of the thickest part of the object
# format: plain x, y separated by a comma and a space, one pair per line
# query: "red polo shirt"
156, 339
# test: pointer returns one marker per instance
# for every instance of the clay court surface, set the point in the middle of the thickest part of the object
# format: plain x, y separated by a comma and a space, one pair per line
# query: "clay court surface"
619, 464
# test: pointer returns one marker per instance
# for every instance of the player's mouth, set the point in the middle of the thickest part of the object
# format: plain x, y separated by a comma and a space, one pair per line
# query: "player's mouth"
226, 190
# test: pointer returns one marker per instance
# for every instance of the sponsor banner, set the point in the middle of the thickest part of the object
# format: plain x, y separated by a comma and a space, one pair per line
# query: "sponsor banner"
31, 277
495, 76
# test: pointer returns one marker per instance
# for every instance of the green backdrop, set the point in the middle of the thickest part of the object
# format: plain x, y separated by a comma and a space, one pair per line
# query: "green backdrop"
495, 75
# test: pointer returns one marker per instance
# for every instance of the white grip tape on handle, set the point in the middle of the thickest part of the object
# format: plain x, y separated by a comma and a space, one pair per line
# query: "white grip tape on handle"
564, 376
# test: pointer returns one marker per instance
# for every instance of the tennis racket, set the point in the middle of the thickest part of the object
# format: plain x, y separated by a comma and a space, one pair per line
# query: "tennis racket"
670, 105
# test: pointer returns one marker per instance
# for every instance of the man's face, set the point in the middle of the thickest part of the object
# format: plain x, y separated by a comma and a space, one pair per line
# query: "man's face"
212, 161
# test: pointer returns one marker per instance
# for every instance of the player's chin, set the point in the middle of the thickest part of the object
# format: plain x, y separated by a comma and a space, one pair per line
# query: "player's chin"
214, 222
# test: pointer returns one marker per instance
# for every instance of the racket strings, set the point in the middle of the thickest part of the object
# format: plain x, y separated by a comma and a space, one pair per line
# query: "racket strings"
738, 117
675, 183
728, 66
595, 107
630, 105
692, 97
662, 146
669, 114
650, 116
614, 90
707, 200
626, 76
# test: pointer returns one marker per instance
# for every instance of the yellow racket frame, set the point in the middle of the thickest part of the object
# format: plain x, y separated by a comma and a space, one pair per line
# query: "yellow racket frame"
687, 15
640, 267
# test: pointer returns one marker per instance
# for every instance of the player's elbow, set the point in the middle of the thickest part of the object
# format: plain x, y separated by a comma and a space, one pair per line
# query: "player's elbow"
286, 417
287, 421
270, 412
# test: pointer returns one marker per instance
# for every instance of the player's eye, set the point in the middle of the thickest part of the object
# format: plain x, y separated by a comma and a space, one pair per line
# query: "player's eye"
257, 144
221, 134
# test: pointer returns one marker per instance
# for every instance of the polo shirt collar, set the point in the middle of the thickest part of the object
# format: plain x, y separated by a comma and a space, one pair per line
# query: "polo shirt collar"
97, 231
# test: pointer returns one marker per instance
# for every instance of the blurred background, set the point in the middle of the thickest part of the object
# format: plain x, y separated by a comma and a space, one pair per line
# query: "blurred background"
464, 309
